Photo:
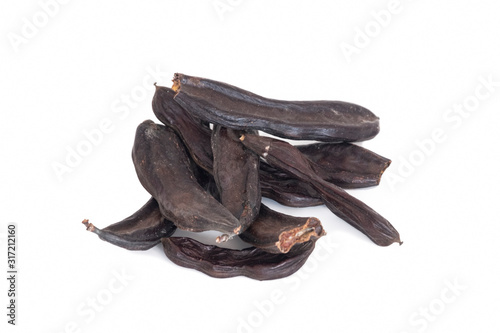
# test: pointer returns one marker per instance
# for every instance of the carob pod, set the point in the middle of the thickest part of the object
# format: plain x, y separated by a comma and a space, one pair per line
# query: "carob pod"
194, 134
346, 165
140, 231
229, 106
220, 262
288, 158
165, 171
236, 173
286, 190
276, 232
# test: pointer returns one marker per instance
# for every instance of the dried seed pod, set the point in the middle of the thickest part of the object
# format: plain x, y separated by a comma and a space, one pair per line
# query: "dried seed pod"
232, 107
194, 134
286, 157
140, 231
165, 171
223, 263
286, 190
276, 232
236, 173
345, 164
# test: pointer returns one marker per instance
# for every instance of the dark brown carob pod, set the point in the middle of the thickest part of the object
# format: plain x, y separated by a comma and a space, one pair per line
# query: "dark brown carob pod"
346, 165
276, 232
165, 171
219, 262
229, 106
286, 190
286, 157
236, 173
140, 231
194, 134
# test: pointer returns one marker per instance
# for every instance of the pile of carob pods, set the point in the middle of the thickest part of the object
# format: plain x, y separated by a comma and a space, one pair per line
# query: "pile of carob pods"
207, 168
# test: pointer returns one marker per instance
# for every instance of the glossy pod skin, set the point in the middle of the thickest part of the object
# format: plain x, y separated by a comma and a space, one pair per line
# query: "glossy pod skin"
230, 106
194, 134
286, 157
219, 262
276, 232
286, 190
236, 173
346, 165
166, 172
140, 231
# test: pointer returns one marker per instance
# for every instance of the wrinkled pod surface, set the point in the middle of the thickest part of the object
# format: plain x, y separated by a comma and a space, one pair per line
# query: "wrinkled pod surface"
140, 231
220, 262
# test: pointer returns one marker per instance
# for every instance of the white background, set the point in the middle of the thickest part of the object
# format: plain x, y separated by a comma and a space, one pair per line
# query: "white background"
70, 68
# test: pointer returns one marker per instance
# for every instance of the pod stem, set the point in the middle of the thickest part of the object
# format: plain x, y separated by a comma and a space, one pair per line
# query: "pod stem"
223, 238
90, 227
